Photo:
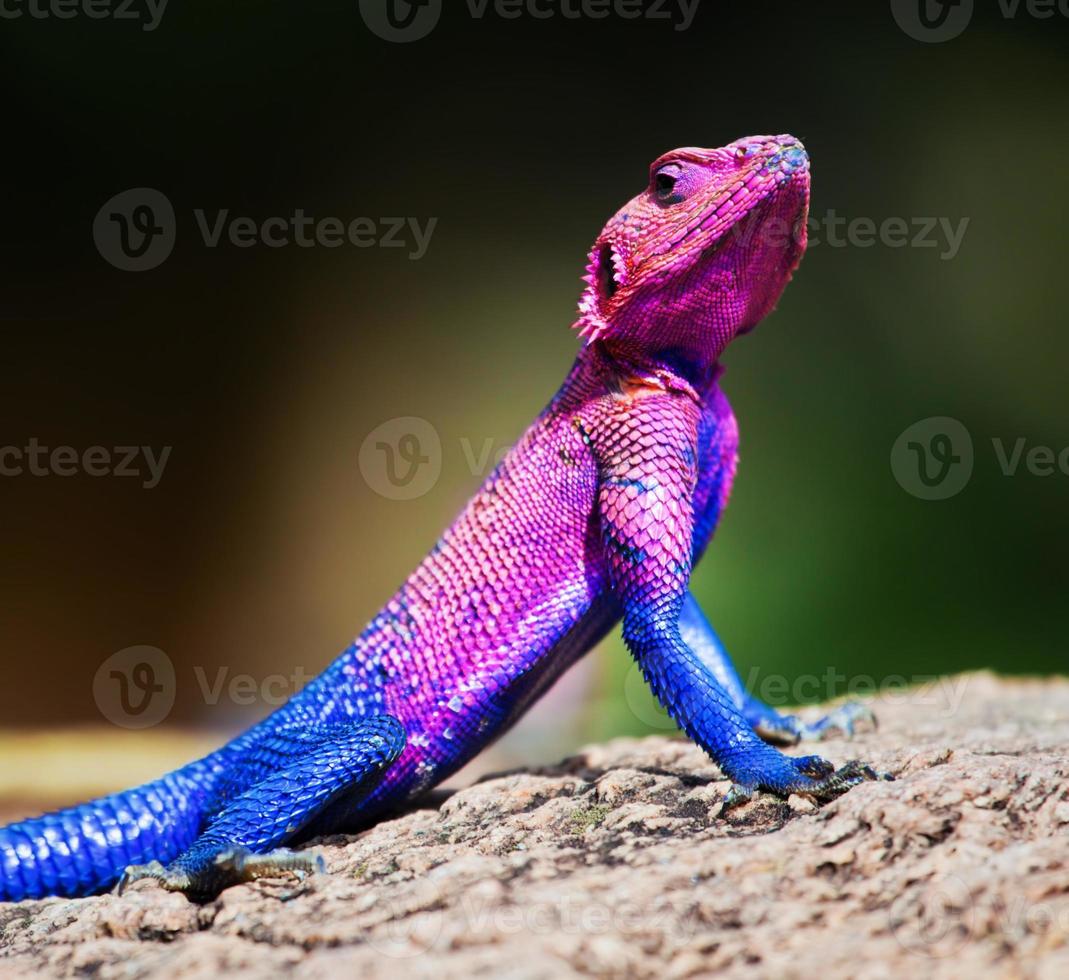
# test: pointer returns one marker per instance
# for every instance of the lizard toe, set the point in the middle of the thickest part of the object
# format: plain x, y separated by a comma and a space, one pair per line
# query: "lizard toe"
836, 782
238, 864
848, 719
171, 880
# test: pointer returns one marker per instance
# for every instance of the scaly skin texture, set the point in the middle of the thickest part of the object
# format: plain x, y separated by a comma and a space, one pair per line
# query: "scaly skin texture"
598, 514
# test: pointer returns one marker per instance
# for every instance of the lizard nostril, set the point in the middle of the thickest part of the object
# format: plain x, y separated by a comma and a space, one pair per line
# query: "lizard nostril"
796, 158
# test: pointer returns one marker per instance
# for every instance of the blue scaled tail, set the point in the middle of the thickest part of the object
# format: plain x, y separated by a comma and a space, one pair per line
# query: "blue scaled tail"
281, 780
85, 848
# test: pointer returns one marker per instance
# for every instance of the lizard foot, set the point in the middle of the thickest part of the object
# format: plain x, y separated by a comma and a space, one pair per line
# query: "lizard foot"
234, 866
778, 729
847, 719
826, 782
240, 864
812, 776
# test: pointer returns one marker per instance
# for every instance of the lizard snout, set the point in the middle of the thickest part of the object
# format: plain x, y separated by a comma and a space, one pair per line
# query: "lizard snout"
783, 154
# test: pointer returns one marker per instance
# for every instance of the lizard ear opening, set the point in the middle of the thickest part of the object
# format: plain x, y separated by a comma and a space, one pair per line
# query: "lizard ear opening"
607, 284
602, 283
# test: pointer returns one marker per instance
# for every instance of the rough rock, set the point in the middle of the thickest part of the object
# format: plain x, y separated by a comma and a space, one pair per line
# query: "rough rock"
614, 862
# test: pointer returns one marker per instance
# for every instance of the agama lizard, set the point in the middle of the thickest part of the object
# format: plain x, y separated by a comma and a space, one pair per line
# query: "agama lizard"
597, 515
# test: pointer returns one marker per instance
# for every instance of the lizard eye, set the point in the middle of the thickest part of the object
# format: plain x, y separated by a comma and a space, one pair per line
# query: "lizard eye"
665, 183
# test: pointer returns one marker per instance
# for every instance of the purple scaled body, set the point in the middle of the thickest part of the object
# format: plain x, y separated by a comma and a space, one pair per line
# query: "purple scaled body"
596, 516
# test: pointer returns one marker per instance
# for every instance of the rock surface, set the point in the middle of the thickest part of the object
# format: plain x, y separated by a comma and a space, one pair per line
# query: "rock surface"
613, 863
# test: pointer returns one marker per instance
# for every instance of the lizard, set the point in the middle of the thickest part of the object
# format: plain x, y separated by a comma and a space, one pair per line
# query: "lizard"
597, 516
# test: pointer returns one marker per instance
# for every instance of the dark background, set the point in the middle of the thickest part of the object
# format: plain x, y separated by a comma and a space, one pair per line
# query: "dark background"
263, 547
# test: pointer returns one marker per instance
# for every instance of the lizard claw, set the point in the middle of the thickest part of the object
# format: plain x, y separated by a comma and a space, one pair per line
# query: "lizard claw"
738, 795
173, 881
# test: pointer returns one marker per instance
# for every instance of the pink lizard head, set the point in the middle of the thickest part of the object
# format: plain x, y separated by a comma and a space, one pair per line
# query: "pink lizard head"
702, 254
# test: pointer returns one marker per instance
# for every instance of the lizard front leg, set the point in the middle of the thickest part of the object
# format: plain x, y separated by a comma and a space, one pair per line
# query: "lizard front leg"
647, 455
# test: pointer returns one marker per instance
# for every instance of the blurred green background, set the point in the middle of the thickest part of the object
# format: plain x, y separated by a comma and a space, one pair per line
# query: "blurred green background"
263, 548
